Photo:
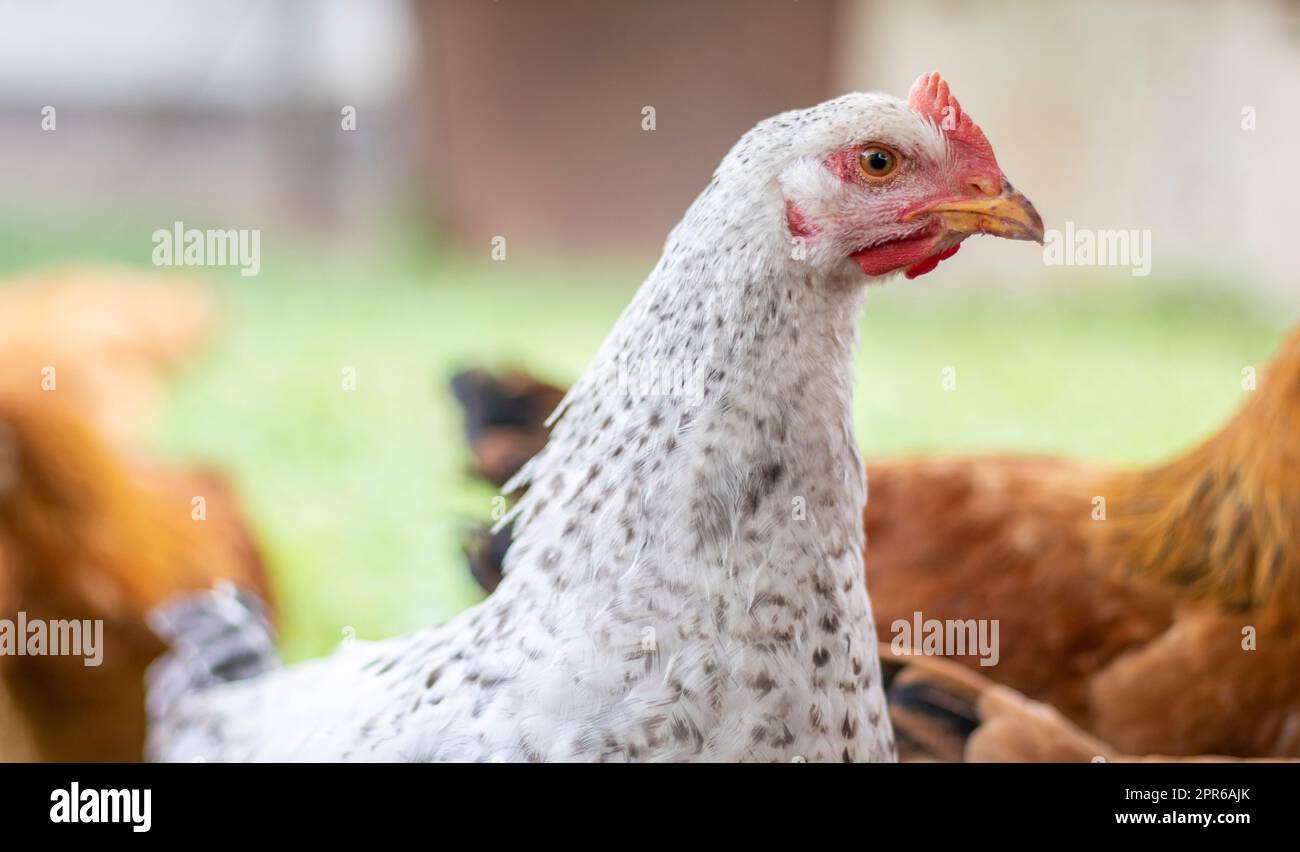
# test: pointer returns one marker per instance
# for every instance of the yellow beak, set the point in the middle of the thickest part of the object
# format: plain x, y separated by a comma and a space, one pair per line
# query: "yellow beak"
1008, 215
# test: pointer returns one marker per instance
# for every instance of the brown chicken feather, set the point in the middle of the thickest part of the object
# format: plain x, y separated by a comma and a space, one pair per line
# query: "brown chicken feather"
944, 711
1005, 539
1221, 526
104, 337
85, 535
1222, 523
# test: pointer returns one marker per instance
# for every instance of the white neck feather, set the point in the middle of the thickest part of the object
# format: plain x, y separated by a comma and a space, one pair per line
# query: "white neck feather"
725, 389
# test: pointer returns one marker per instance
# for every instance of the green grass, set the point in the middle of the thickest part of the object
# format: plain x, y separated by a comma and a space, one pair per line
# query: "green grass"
360, 497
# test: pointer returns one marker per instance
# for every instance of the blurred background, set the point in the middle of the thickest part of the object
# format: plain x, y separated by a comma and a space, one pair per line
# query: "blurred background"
383, 150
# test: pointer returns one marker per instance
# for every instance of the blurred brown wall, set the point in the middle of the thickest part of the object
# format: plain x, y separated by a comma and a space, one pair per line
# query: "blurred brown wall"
533, 110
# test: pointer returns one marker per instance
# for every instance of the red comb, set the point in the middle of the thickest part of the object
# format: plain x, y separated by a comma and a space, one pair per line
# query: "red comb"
931, 99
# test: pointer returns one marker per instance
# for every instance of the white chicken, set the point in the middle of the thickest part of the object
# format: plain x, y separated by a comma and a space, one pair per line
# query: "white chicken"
686, 579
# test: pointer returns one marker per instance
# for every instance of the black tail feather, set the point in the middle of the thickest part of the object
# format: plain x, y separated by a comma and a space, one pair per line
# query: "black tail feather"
214, 637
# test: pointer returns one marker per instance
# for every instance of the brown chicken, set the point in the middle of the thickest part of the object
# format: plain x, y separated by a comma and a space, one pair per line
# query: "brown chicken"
1167, 627
86, 531
84, 535
1155, 608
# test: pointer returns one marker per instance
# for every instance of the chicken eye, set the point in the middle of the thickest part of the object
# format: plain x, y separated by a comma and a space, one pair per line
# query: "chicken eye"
878, 162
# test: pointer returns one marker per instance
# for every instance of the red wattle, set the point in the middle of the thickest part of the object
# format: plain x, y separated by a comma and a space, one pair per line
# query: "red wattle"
923, 266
